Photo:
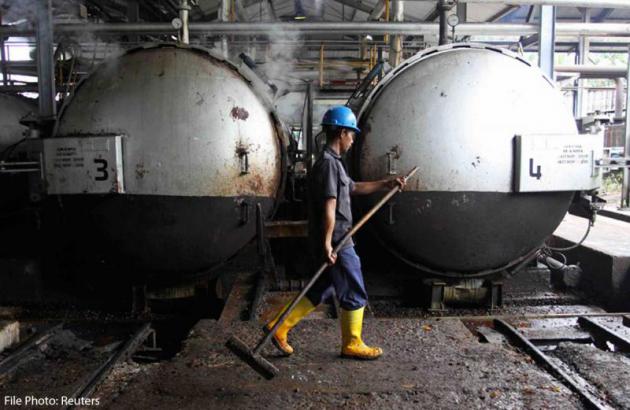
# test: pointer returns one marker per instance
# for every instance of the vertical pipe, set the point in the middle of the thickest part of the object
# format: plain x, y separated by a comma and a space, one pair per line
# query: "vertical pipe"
395, 45
581, 59
619, 98
374, 56
321, 65
224, 17
184, 9
133, 16
307, 129
3, 58
625, 186
45, 61
547, 40
363, 49
379, 58
443, 7
386, 37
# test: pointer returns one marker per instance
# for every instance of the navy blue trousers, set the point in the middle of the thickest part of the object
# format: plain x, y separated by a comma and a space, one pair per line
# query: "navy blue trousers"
345, 278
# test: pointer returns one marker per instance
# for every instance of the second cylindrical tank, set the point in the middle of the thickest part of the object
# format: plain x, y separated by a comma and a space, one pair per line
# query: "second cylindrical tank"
454, 112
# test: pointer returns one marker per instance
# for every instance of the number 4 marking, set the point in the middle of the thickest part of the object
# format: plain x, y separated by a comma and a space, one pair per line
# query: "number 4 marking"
538, 174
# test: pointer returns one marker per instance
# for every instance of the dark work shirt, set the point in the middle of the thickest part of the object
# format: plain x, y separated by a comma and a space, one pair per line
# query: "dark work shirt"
329, 179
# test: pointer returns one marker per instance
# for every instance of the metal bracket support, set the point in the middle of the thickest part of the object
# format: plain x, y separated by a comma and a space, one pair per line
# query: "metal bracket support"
495, 294
437, 295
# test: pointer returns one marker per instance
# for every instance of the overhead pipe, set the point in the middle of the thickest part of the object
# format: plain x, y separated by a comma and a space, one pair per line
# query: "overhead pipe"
608, 4
465, 29
587, 71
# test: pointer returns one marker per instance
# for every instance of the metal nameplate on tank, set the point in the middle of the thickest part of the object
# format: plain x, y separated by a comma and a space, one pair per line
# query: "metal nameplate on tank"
548, 162
84, 165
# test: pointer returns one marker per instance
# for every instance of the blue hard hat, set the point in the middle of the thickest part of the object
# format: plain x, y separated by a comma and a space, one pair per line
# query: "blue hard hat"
341, 116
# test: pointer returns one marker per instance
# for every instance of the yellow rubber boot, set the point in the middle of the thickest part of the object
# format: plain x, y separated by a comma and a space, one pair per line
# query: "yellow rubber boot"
353, 347
303, 308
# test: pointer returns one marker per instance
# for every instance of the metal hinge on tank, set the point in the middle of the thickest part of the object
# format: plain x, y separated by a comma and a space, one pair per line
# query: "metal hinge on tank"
243, 207
392, 156
243, 160
390, 219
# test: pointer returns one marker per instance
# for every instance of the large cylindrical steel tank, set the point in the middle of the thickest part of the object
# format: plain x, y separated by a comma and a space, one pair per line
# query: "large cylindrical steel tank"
454, 112
201, 147
12, 109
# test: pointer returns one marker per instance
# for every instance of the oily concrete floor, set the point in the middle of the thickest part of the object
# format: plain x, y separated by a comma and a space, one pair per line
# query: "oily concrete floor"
435, 364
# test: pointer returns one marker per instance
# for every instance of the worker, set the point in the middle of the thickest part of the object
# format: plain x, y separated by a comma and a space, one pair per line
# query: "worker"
331, 218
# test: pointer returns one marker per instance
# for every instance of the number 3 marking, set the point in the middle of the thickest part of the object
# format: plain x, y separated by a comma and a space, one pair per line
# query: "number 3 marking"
102, 168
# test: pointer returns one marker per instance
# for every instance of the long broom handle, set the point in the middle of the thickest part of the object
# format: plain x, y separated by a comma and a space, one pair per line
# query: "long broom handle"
322, 268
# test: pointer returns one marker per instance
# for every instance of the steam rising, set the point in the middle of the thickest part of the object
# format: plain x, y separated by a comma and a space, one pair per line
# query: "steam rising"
281, 56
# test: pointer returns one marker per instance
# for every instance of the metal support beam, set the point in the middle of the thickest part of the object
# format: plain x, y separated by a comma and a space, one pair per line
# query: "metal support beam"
620, 96
377, 11
462, 12
533, 39
45, 61
625, 186
603, 15
271, 10
241, 14
29, 88
547, 36
3, 58
356, 4
621, 4
307, 129
503, 13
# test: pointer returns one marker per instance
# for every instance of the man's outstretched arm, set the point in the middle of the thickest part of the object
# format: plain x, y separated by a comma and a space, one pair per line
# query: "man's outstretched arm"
368, 187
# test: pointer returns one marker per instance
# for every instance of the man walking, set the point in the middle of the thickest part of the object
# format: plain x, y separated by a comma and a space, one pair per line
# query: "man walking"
330, 219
